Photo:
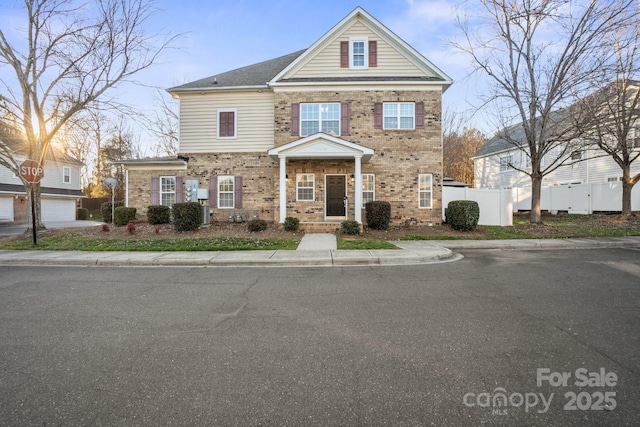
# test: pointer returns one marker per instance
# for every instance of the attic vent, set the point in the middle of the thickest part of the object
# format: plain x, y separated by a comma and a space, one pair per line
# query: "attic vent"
215, 81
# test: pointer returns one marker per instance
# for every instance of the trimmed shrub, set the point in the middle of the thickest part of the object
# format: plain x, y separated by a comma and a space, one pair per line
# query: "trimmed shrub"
187, 216
158, 214
378, 215
83, 214
257, 225
462, 215
105, 208
291, 224
122, 215
350, 227
131, 227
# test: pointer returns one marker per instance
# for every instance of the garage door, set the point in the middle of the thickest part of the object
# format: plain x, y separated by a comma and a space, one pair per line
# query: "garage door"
6, 208
58, 210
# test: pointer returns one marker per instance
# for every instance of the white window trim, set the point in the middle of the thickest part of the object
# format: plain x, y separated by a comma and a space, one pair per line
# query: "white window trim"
365, 41
313, 187
320, 120
64, 174
398, 116
372, 191
235, 123
508, 165
617, 178
430, 190
161, 193
233, 191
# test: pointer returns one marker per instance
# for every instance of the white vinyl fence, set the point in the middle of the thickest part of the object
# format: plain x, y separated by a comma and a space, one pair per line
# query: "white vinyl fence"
496, 206
578, 198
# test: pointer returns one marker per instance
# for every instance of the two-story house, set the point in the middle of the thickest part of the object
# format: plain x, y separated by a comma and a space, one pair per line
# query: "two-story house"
59, 188
314, 134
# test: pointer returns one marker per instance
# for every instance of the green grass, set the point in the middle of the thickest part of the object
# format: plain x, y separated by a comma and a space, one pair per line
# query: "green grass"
76, 242
365, 244
436, 237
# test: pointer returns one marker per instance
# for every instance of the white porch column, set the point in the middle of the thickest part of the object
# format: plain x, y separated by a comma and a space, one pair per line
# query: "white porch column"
283, 189
358, 190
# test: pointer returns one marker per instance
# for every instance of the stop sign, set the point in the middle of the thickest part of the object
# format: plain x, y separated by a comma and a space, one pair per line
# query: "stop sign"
31, 171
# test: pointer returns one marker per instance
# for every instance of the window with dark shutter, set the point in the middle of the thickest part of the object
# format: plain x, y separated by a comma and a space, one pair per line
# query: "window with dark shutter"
295, 119
419, 115
344, 54
373, 53
344, 118
226, 124
155, 191
179, 189
237, 188
377, 115
213, 191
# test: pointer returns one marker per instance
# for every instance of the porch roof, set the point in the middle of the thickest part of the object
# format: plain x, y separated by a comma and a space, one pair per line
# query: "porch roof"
321, 146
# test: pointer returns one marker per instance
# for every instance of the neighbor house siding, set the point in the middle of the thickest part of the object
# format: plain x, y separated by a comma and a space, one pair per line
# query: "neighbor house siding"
390, 62
199, 115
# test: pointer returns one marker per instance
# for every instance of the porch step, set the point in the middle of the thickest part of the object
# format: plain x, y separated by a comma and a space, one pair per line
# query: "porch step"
320, 227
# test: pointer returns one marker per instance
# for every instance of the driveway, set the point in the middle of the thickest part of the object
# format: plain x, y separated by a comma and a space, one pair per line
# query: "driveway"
15, 228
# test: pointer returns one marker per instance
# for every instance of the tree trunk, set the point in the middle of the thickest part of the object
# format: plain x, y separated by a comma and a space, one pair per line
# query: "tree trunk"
38, 206
627, 186
536, 190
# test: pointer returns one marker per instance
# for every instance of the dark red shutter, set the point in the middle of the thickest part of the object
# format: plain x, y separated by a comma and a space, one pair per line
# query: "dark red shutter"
237, 192
344, 54
179, 189
419, 115
377, 115
155, 191
373, 53
227, 122
213, 191
344, 118
295, 119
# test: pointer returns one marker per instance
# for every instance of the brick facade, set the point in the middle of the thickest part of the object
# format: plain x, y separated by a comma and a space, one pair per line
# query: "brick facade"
400, 156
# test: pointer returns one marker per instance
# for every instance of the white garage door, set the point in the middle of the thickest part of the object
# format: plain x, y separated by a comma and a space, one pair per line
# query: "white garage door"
6, 208
58, 210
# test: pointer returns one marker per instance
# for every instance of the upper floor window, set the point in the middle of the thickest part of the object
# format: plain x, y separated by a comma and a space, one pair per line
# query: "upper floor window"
506, 163
66, 175
358, 54
167, 190
227, 125
576, 155
399, 115
319, 118
226, 191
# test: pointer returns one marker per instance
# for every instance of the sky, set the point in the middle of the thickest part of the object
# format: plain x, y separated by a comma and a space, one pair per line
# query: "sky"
215, 37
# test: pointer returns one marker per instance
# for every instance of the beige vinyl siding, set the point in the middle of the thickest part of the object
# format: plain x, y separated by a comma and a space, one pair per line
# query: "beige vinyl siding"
327, 62
199, 115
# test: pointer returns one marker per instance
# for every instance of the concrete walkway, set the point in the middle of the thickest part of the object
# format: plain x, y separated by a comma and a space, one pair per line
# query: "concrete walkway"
318, 242
410, 252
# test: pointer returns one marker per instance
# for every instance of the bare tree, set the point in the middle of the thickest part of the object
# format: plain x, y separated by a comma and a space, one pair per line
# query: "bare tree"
164, 125
538, 54
460, 142
613, 110
72, 53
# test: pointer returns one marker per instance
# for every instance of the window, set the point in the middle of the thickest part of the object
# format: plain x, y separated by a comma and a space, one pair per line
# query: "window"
167, 190
399, 115
227, 123
368, 188
358, 52
305, 186
225, 191
613, 179
425, 190
66, 175
319, 118
506, 163
576, 155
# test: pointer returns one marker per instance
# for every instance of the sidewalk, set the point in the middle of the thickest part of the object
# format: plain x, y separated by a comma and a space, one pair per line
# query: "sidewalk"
410, 252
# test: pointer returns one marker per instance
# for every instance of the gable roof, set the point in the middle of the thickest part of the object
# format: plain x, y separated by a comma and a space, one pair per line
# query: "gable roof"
274, 72
431, 72
17, 144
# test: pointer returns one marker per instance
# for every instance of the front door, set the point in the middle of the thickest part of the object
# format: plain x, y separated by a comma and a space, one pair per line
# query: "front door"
335, 195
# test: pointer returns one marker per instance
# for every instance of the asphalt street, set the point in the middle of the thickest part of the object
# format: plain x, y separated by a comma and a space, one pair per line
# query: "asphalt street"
501, 337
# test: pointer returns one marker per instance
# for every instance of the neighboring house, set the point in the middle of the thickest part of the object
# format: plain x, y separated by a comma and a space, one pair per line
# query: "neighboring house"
494, 165
353, 118
60, 186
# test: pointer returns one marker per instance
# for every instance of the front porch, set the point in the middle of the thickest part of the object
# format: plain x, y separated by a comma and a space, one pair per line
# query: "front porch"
319, 177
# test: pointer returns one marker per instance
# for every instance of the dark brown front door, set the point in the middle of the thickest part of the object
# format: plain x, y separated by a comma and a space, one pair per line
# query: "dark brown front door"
335, 195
